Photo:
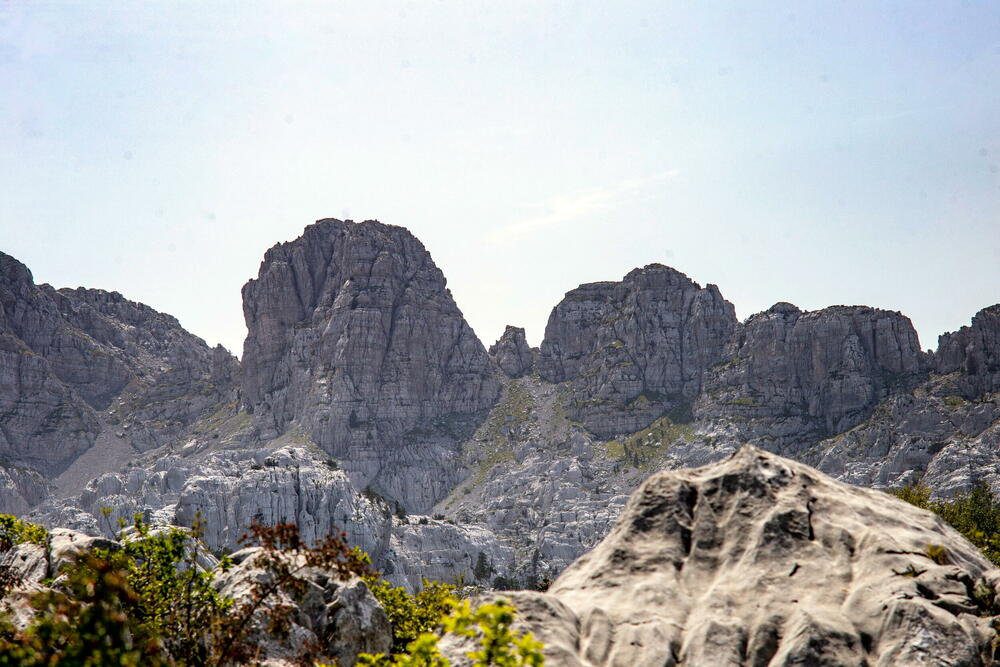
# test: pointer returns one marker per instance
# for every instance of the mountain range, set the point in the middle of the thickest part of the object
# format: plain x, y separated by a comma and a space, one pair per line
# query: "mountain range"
364, 401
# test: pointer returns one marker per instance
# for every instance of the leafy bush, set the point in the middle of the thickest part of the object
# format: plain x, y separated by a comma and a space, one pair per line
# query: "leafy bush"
86, 623
412, 615
489, 624
974, 513
150, 602
15, 531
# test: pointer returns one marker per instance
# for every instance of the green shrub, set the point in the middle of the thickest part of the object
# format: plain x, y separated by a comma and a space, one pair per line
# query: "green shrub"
489, 624
974, 513
150, 603
15, 531
412, 615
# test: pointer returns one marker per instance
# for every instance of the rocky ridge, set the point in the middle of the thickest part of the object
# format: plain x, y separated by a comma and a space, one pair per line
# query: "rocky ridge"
84, 370
508, 482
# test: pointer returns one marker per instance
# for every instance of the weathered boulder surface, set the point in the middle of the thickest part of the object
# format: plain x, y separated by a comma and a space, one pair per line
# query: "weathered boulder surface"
512, 353
354, 336
636, 349
759, 560
341, 618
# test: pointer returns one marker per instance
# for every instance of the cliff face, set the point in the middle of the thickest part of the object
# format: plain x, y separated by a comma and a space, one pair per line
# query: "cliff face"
371, 398
973, 352
817, 373
354, 336
77, 362
635, 349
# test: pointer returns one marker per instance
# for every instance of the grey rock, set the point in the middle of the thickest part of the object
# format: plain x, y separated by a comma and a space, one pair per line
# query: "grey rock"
974, 352
760, 560
77, 362
512, 353
797, 377
354, 336
343, 618
21, 489
636, 349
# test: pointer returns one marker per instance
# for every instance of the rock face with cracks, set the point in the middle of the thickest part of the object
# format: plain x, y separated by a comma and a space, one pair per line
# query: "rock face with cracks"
803, 376
80, 364
512, 353
636, 349
354, 335
759, 560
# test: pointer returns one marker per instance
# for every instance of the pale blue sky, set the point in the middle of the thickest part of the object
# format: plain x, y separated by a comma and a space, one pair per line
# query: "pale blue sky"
812, 152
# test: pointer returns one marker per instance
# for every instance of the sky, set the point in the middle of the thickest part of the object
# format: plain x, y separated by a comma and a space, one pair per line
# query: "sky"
819, 153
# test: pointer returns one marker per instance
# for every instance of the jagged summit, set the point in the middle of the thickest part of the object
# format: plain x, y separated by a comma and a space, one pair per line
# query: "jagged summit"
512, 353
365, 397
636, 349
354, 336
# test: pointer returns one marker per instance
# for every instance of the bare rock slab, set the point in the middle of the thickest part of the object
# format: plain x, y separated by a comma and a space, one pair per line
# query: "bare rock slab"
760, 560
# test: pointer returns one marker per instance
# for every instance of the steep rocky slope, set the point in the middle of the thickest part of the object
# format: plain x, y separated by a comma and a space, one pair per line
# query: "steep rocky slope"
365, 402
82, 369
635, 349
354, 336
759, 560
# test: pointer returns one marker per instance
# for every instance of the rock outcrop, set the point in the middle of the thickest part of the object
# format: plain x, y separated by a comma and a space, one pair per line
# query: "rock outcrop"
354, 336
76, 362
795, 377
973, 352
758, 560
512, 353
367, 404
340, 618
636, 349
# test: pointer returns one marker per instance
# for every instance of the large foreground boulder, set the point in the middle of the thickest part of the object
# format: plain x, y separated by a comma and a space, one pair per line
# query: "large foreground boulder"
759, 560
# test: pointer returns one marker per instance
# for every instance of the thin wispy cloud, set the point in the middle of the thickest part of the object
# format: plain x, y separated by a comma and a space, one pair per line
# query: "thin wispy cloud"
566, 208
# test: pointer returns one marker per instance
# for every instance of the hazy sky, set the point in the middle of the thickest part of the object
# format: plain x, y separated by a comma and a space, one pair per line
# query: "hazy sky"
813, 152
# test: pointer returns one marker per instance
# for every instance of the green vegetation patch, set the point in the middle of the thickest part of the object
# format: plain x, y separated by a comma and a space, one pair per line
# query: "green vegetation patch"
954, 401
514, 409
14, 531
974, 513
641, 449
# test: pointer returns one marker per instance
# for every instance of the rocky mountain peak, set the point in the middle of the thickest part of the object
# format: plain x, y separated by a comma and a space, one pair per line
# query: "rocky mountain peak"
636, 349
512, 353
354, 336
973, 351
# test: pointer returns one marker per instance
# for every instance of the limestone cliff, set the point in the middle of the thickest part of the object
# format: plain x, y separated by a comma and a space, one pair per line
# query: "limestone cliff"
354, 336
636, 349
79, 365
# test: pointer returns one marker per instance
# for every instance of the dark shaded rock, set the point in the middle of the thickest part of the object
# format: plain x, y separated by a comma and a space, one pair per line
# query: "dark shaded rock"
635, 349
72, 359
974, 352
354, 335
818, 373
512, 353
